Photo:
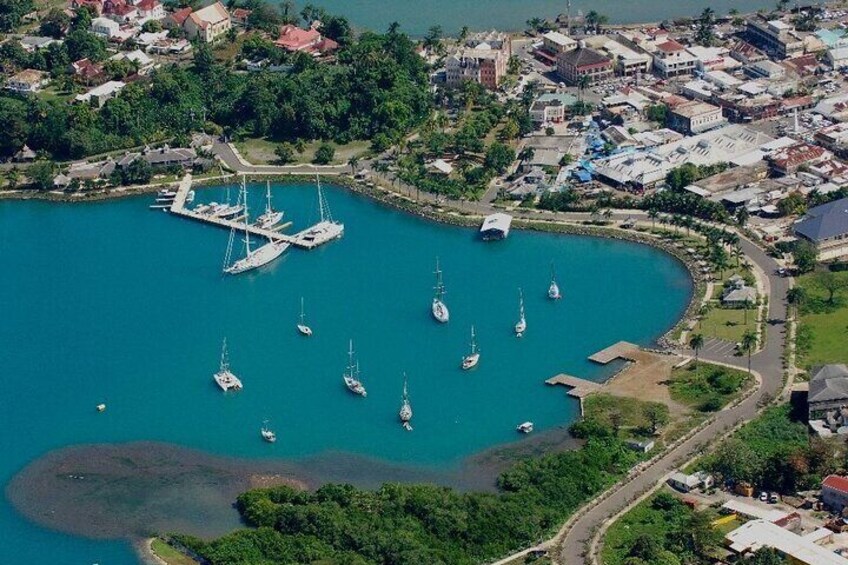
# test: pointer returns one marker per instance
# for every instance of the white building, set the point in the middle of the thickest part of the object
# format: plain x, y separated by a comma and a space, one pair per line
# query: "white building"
695, 117
105, 27
757, 534
671, 59
144, 61
712, 58
27, 82
209, 23
100, 94
555, 43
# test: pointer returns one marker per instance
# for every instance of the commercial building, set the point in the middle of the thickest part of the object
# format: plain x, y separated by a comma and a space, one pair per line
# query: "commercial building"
765, 69
626, 60
671, 59
551, 108
584, 62
554, 43
695, 117
834, 138
207, 24
826, 227
775, 37
787, 160
757, 534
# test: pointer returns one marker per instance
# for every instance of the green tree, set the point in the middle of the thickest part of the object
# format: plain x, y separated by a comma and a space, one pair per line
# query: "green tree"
793, 204
657, 113
499, 156
41, 174
704, 34
136, 173
696, 342
742, 216
84, 45
325, 154
54, 23
795, 297
582, 84
806, 256
284, 153
14, 126
657, 415
831, 283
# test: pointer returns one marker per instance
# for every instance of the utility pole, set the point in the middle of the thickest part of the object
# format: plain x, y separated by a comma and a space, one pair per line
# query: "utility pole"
568, 18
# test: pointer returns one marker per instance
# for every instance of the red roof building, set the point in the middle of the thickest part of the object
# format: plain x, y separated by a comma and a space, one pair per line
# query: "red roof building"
86, 72
670, 46
835, 492
180, 16
240, 15
788, 160
294, 38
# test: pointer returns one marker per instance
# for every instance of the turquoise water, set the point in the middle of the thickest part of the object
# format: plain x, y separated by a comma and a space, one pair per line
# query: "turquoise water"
110, 302
416, 17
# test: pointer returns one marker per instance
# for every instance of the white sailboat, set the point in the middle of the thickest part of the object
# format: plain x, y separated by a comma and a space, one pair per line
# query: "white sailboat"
470, 361
439, 308
351, 375
302, 327
224, 377
253, 259
553, 289
270, 217
521, 324
267, 433
405, 413
327, 228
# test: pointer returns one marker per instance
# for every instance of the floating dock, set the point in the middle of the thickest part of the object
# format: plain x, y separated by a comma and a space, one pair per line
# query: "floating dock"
310, 238
580, 388
621, 350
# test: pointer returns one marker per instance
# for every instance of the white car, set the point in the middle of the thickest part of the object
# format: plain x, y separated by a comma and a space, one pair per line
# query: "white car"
764, 496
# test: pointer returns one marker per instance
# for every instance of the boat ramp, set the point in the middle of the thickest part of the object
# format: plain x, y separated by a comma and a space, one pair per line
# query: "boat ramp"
310, 238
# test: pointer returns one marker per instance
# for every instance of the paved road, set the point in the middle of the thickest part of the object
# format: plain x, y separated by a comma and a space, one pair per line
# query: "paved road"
767, 362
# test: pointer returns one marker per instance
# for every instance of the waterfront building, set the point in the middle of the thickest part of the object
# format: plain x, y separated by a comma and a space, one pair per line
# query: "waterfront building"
671, 59
29, 81
712, 58
207, 24
826, 227
583, 61
293, 38
775, 37
554, 43
627, 60
483, 58
695, 117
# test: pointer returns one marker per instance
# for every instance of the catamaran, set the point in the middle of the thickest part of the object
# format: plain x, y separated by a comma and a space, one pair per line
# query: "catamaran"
351, 375
525, 428
470, 361
521, 324
405, 413
224, 377
253, 259
553, 290
302, 327
327, 228
439, 309
267, 433
270, 217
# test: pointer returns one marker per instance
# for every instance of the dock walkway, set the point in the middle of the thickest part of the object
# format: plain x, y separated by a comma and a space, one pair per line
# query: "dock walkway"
580, 388
309, 238
621, 350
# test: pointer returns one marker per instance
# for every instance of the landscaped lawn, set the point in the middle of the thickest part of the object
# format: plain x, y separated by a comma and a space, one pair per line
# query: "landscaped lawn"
727, 323
823, 334
706, 387
260, 151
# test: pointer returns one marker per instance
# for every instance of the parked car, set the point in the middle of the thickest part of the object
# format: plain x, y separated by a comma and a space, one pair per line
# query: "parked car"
764, 496
774, 498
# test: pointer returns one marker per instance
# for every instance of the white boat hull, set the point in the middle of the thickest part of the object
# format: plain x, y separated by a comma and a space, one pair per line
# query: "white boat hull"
267, 221
355, 386
257, 258
304, 330
553, 292
525, 428
520, 327
227, 381
440, 311
470, 361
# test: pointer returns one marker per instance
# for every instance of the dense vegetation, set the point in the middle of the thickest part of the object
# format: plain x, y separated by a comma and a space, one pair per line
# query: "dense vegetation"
378, 87
706, 387
401, 523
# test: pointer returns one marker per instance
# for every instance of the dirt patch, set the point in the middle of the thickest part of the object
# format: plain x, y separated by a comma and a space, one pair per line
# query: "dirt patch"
646, 378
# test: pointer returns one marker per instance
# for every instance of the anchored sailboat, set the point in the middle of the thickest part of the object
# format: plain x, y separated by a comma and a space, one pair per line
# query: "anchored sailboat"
224, 377
267, 433
521, 325
470, 361
327, 228
405, 413
270, 217
351, 375
302, 327
253, 259
553, 290
439, 309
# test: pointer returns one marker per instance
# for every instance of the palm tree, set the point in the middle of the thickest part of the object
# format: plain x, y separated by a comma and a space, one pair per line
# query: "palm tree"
796, 296
748, 343
582, 84
702, 313
353, 162
696, 342
747, 305
653, 214
607, 214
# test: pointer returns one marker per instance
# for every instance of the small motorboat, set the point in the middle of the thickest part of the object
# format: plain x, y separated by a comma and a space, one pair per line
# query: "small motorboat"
525, 428
267, 433
101, 407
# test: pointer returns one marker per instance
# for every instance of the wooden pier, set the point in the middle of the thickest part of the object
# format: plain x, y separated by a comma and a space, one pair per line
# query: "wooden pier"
621, 350
309, 238
580, 388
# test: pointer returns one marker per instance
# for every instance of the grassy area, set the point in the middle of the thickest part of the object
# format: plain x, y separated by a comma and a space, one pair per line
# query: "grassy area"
52, 93
706, 387
824, 327
260, 151
629, 415
727, 323
169, 554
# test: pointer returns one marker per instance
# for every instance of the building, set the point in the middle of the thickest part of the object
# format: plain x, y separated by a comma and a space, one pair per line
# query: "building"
105, 27
145, 62
834, 138
802, 550
86, 72
685, 483
27, 82
834, 492
551, 108
671, 59
100, 94
495, 226
627, 61
209, 23
178, 18
150, 10
584, 62
826, 227
695, 117
775, 37
554, 43
712, 58
739, 295
33, 43
788, 159
766, 69
485, 66
239, 16
293, 38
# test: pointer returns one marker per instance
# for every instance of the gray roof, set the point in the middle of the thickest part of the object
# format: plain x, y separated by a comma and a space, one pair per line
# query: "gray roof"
583, 56
828, 382
741, 295
825, 221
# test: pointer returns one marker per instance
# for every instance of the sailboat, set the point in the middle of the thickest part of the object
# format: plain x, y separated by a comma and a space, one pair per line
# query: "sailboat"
553, 290
405, 413
253, 259
302, 327
470, 361
439, 309
521, 324
327, 228
351, 375
270, 217
224, 377
267, 433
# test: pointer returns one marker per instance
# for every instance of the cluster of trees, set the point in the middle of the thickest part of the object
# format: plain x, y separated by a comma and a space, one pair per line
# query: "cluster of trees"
685, 203
680, 177
401, 523
379, 87
12, 11
269, 17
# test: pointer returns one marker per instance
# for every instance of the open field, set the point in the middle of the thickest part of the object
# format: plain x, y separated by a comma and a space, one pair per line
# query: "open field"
168, 554
260, 151
823, 333
727, 323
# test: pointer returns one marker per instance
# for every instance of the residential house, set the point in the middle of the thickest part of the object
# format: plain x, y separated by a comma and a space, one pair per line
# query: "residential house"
166, 156
239, 16
695, 117
120, 11
207, 24
177, 18
834, 493
827, 397
573, 65
32, 43
105, 27
86, 72
293, 38
671, 59
686, 483
27, 82
826, 227
144, 62
150, 10
100, 94
25, 155
737, 294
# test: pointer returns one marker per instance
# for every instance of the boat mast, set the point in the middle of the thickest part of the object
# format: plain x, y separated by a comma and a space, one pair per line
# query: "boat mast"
520, 304
268, 209
473, 342
302, 316
246, 219
323, 207
440, 287
350, 359
405, 394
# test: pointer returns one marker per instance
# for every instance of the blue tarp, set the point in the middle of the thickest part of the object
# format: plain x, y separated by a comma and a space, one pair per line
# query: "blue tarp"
583, 176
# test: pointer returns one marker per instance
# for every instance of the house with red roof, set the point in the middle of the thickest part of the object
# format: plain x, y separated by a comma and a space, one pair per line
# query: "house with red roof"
150, 10
293, 38
834, 492
119, 11
178, 18
671, 59
86, 72
239, 16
